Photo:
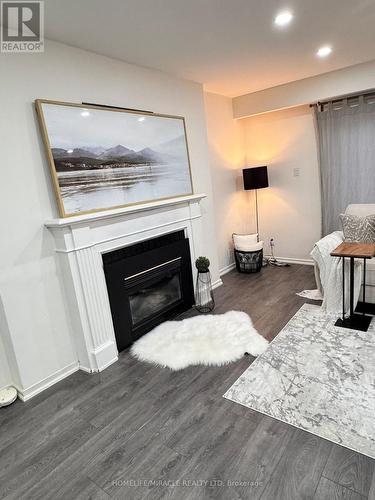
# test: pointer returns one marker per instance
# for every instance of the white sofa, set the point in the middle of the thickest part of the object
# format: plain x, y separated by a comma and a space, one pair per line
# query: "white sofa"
362, 210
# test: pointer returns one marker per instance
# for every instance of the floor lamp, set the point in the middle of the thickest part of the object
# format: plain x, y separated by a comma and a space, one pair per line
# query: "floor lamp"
255, 178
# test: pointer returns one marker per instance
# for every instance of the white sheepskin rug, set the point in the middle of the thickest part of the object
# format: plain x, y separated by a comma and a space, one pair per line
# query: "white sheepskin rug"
214, 339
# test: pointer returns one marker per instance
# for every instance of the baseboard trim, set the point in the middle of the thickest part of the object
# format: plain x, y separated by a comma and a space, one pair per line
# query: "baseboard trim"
102, 367
216, 284
292, 260
109, 363
86, 369
227, 269
288, 260
38, 387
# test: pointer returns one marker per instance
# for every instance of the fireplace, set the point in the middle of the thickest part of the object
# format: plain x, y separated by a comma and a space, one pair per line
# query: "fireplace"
148, 283
88, 244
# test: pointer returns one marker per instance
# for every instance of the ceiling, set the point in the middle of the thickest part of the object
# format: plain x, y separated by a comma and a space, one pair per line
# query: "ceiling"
231, 46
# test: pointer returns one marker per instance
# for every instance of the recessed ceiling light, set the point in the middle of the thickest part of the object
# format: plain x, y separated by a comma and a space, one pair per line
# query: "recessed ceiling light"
85, 113
70, 151
283, 18
141, 119
324, 51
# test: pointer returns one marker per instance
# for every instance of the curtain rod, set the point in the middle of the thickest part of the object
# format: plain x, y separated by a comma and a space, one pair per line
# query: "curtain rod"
341, 97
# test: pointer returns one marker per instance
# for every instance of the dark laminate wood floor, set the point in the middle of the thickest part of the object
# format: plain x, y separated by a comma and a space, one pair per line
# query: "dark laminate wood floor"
139, 432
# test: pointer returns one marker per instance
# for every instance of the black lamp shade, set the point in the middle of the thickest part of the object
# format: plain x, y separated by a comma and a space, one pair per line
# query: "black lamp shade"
255, 178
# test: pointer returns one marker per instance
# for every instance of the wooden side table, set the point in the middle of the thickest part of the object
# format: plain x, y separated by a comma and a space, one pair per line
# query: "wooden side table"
353, 251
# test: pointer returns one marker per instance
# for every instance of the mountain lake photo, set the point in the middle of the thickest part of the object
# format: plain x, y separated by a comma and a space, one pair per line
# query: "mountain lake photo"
106, 158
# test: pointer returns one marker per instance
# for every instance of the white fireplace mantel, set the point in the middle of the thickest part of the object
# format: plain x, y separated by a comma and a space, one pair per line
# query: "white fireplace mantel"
131, 209
80, 242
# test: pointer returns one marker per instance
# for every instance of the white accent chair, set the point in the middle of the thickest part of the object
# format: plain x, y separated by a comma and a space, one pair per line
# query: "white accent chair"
361, 210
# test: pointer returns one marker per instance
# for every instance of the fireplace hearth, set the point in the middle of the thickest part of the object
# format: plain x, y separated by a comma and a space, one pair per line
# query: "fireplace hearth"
148, 283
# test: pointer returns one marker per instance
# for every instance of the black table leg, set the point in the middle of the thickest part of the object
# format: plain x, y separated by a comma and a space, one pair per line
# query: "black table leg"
351, 296
343, 288
354, 321
364, 286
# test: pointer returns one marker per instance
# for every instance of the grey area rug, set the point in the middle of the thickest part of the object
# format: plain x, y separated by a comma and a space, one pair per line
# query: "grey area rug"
317, 377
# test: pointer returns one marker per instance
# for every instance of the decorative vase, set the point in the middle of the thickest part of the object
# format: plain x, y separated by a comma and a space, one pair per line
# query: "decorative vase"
204, 297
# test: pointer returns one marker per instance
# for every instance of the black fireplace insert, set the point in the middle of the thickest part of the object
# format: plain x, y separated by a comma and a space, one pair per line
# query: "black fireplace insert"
148, 283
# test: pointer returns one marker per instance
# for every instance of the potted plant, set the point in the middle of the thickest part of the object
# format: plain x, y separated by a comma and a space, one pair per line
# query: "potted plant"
202, 264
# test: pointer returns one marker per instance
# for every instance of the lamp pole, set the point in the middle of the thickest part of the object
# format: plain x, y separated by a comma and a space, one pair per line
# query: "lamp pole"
256, 211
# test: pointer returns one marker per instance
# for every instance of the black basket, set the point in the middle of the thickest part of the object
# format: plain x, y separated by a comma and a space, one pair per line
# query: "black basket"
248, 262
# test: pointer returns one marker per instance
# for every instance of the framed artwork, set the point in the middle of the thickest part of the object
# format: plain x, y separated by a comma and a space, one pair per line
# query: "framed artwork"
103, 158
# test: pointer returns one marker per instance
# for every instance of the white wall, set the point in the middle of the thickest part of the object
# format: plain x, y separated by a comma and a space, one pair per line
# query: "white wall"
30, 286
5, 376
9, 372
289, 210
226, 142
358, 78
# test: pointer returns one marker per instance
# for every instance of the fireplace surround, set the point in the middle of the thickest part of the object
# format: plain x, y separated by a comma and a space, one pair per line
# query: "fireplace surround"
82, 241
148, 283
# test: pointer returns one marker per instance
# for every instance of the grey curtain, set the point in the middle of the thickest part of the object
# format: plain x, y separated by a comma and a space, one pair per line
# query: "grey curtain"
346, 133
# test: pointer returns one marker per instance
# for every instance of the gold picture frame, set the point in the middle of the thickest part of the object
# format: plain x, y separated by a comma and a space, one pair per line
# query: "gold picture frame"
90, 170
